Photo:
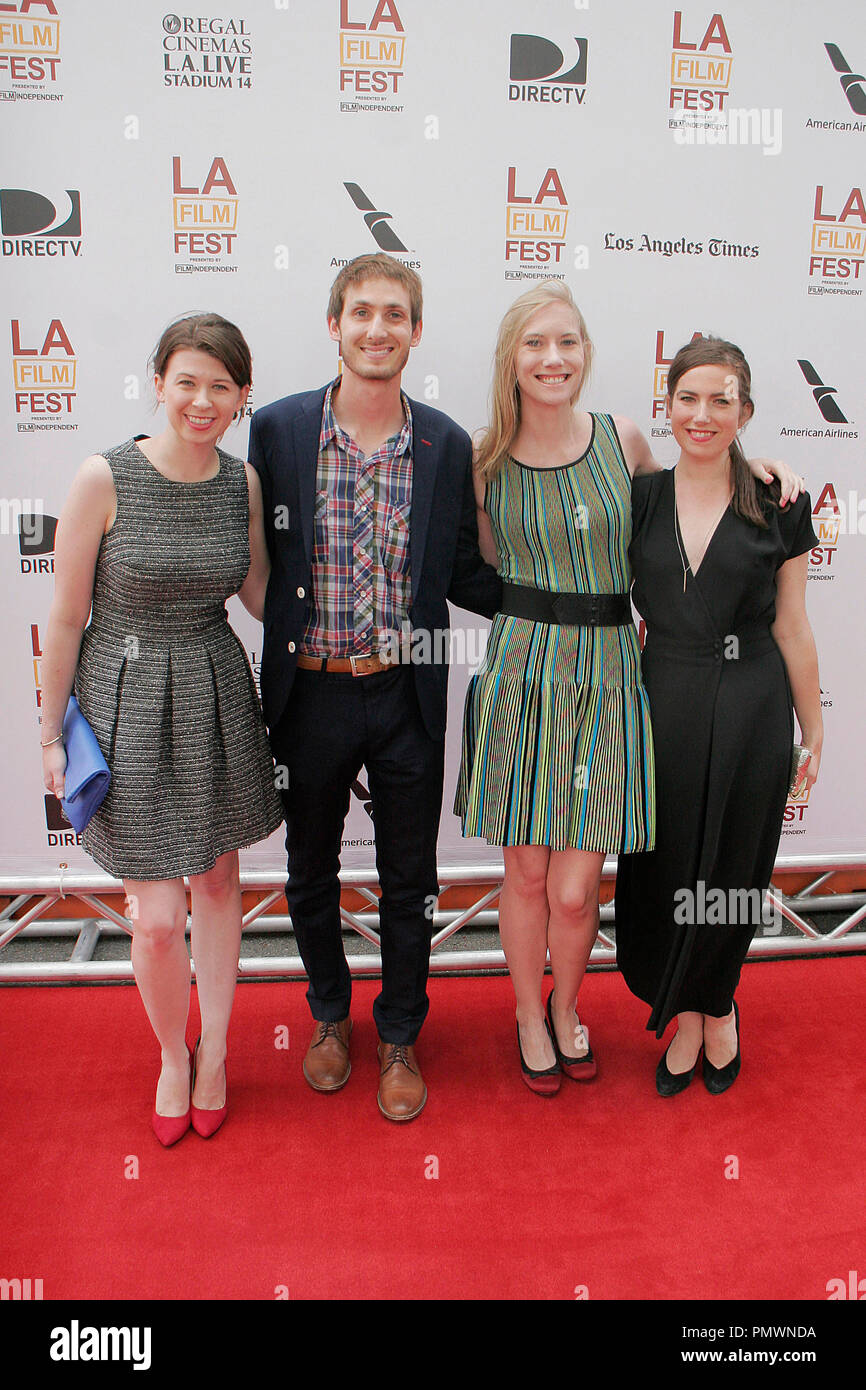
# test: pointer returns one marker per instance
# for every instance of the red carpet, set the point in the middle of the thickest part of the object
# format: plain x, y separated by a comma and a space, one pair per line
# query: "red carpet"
605, 1188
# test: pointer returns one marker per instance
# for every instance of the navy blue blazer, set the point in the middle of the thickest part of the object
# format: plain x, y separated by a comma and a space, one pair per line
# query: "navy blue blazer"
444, 560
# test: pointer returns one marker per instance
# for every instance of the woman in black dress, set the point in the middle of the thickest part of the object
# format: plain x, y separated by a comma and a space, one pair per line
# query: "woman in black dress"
720, 579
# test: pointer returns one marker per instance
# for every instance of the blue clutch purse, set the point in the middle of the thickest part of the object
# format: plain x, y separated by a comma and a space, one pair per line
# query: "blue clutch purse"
87, 774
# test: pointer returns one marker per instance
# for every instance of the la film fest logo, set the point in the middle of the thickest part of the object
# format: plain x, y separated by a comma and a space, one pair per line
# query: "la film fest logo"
700, 76
203, 52
826, 523
539, 71
372, 55
44, 375
536, 220
834, 516
32, 225
838, 244
664, 356
30, 50
700, 87
205, 217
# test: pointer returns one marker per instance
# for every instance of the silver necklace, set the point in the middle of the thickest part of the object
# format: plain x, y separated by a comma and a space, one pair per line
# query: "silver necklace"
686, 566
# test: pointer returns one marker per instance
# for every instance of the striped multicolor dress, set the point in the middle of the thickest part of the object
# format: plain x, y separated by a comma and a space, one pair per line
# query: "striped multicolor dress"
557, 742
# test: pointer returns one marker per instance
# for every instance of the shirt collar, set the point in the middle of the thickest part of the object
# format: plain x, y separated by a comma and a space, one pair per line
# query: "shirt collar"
332, 431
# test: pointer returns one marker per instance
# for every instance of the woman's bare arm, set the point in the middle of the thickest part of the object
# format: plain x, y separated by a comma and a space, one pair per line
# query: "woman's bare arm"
793, 634
87, 514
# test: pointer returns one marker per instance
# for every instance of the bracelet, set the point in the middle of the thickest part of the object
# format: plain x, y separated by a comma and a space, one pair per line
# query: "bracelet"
58, 739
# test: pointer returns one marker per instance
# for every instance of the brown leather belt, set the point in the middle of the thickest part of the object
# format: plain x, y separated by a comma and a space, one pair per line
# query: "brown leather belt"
356, 665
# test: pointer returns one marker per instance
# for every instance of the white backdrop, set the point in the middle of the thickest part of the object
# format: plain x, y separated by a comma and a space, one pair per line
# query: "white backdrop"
684, 170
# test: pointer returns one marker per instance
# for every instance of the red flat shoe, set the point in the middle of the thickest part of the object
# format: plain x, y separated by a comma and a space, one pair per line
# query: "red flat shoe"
205, 1122
169, 1128
575, 1068
543, 1083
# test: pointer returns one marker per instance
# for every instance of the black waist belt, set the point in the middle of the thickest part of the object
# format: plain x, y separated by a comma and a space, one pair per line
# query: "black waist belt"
567, 610
752, 640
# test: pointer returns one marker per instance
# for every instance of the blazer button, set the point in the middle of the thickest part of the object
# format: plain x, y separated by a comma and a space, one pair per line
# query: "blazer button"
301, 592
291, 646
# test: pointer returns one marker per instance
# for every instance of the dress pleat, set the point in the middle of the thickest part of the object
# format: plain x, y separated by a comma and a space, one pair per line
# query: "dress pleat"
557, 743
165, 682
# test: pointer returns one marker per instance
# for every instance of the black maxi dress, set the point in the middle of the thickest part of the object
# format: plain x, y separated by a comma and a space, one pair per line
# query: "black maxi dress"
723, 731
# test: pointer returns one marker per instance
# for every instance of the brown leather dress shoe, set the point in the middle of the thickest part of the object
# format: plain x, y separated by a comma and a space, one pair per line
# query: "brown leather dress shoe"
402, 1092
327, 1065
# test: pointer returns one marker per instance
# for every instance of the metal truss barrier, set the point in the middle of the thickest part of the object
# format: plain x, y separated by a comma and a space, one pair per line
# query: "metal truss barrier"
22, 916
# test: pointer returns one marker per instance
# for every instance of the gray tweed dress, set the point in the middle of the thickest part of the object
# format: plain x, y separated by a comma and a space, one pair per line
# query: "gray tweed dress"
165, 682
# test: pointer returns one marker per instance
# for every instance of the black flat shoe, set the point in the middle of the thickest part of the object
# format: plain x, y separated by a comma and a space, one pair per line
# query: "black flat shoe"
670, 1083
718, 1079
575, 1068
543, 1083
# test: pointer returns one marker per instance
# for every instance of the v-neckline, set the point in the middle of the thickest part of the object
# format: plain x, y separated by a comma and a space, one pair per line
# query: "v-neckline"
681, 545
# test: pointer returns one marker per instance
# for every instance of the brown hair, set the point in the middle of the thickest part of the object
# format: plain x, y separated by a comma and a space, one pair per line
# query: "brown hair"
206, 333
750, 498
497, 439
374, 266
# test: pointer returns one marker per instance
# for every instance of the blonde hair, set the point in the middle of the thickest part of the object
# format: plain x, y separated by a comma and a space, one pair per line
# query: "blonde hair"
494, 442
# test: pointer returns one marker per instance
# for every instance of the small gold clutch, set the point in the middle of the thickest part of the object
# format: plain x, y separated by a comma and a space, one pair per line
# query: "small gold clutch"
799, 759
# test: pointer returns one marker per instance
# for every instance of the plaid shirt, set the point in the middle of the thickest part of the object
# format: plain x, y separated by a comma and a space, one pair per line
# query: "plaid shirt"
360, 582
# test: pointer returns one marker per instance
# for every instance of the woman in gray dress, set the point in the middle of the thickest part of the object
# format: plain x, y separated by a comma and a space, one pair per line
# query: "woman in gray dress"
155, 535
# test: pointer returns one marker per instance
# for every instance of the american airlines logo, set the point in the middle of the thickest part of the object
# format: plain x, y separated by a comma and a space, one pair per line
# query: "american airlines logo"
852, 83
378, 222
824, 395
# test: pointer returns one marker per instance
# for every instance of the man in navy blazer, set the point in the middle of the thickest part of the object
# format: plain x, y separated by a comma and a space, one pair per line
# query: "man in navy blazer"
370, 523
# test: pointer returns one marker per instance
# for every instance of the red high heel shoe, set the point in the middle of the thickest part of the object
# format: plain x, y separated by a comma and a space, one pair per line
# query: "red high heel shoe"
169, 1128
205, 1122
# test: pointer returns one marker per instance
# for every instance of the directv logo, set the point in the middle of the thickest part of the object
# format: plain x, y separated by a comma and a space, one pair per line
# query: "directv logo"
30, 226
538, 71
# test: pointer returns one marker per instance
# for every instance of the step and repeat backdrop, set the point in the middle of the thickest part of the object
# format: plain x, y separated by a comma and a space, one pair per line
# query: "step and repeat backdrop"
686, 170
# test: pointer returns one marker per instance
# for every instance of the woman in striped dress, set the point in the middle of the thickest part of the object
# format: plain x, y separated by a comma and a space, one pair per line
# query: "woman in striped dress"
557, 763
